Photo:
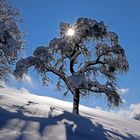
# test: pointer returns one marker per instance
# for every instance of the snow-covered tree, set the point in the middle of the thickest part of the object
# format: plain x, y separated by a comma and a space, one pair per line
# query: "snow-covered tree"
86, 58
10, 38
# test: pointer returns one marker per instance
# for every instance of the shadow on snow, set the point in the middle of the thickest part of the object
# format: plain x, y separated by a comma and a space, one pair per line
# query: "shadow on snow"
76, 127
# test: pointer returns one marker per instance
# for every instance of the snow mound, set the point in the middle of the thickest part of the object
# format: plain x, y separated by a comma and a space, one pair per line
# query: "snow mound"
32, 117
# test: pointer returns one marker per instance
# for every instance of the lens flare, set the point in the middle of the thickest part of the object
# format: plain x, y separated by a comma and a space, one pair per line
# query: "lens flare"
70, 32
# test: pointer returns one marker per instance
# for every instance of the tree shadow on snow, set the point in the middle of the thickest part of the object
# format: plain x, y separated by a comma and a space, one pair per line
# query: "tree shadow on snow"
76, 127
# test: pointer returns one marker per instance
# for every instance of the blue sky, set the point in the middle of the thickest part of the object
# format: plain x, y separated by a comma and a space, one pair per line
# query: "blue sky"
41, 19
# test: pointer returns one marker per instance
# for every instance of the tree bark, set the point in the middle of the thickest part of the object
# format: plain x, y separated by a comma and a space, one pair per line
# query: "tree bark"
76, 100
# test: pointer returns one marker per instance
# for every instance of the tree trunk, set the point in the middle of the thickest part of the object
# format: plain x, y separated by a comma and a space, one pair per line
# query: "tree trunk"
76, 99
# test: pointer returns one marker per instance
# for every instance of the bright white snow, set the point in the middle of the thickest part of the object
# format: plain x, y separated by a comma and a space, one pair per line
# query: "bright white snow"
25, 116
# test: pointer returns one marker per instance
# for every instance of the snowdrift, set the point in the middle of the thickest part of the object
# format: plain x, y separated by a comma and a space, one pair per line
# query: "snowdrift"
25, 116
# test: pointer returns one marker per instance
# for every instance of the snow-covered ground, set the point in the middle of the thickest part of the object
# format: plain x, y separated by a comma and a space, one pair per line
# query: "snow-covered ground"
25, 116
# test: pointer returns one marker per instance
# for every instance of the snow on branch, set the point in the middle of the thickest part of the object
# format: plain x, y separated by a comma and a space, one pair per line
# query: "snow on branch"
84, 83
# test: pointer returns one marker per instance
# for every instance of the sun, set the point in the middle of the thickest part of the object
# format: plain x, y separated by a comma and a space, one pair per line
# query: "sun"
70, 32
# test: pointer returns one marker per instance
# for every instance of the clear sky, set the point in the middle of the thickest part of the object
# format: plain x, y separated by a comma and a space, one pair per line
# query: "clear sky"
41, 19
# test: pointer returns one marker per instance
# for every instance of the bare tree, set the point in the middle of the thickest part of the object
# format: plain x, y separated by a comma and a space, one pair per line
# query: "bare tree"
10, 38
86, 58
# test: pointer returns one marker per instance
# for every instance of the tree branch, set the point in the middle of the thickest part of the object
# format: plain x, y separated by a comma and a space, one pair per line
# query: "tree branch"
57, 72
86, 67
111, 93
73, 58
